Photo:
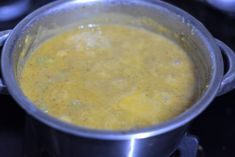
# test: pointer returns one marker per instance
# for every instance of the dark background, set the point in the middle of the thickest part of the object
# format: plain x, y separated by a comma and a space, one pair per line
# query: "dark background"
215, 127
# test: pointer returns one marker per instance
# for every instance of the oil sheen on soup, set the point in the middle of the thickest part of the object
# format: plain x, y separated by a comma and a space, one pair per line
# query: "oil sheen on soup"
109, 77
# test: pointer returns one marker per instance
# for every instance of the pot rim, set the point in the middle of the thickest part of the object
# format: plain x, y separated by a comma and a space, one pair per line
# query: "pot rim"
178, 121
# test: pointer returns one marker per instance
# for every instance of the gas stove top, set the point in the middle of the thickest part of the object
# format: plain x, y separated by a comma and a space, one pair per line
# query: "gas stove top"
214, 128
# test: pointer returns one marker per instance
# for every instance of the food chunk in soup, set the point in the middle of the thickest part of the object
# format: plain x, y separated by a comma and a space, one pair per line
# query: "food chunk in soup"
110, 77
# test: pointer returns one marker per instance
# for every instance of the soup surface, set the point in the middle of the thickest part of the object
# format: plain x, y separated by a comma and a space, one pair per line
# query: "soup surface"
110, 77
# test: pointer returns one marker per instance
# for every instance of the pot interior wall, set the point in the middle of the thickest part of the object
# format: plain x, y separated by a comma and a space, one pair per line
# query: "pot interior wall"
155, 18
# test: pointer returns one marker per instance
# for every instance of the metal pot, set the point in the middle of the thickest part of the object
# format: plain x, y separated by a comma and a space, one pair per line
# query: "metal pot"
62, 139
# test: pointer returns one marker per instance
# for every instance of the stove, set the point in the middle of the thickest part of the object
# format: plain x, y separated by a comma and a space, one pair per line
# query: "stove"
214, 129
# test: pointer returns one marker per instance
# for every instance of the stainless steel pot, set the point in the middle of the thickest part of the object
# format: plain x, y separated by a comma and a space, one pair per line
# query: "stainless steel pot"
62, 139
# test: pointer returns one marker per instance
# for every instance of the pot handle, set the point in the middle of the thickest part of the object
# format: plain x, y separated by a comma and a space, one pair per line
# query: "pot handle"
188, 146
3, 36
228, 82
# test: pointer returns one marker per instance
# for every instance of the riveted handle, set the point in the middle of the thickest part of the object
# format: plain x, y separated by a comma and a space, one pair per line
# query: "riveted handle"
3, 37
228, 82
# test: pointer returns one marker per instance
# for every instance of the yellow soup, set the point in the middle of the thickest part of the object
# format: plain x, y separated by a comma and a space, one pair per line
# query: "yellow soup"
110, 77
